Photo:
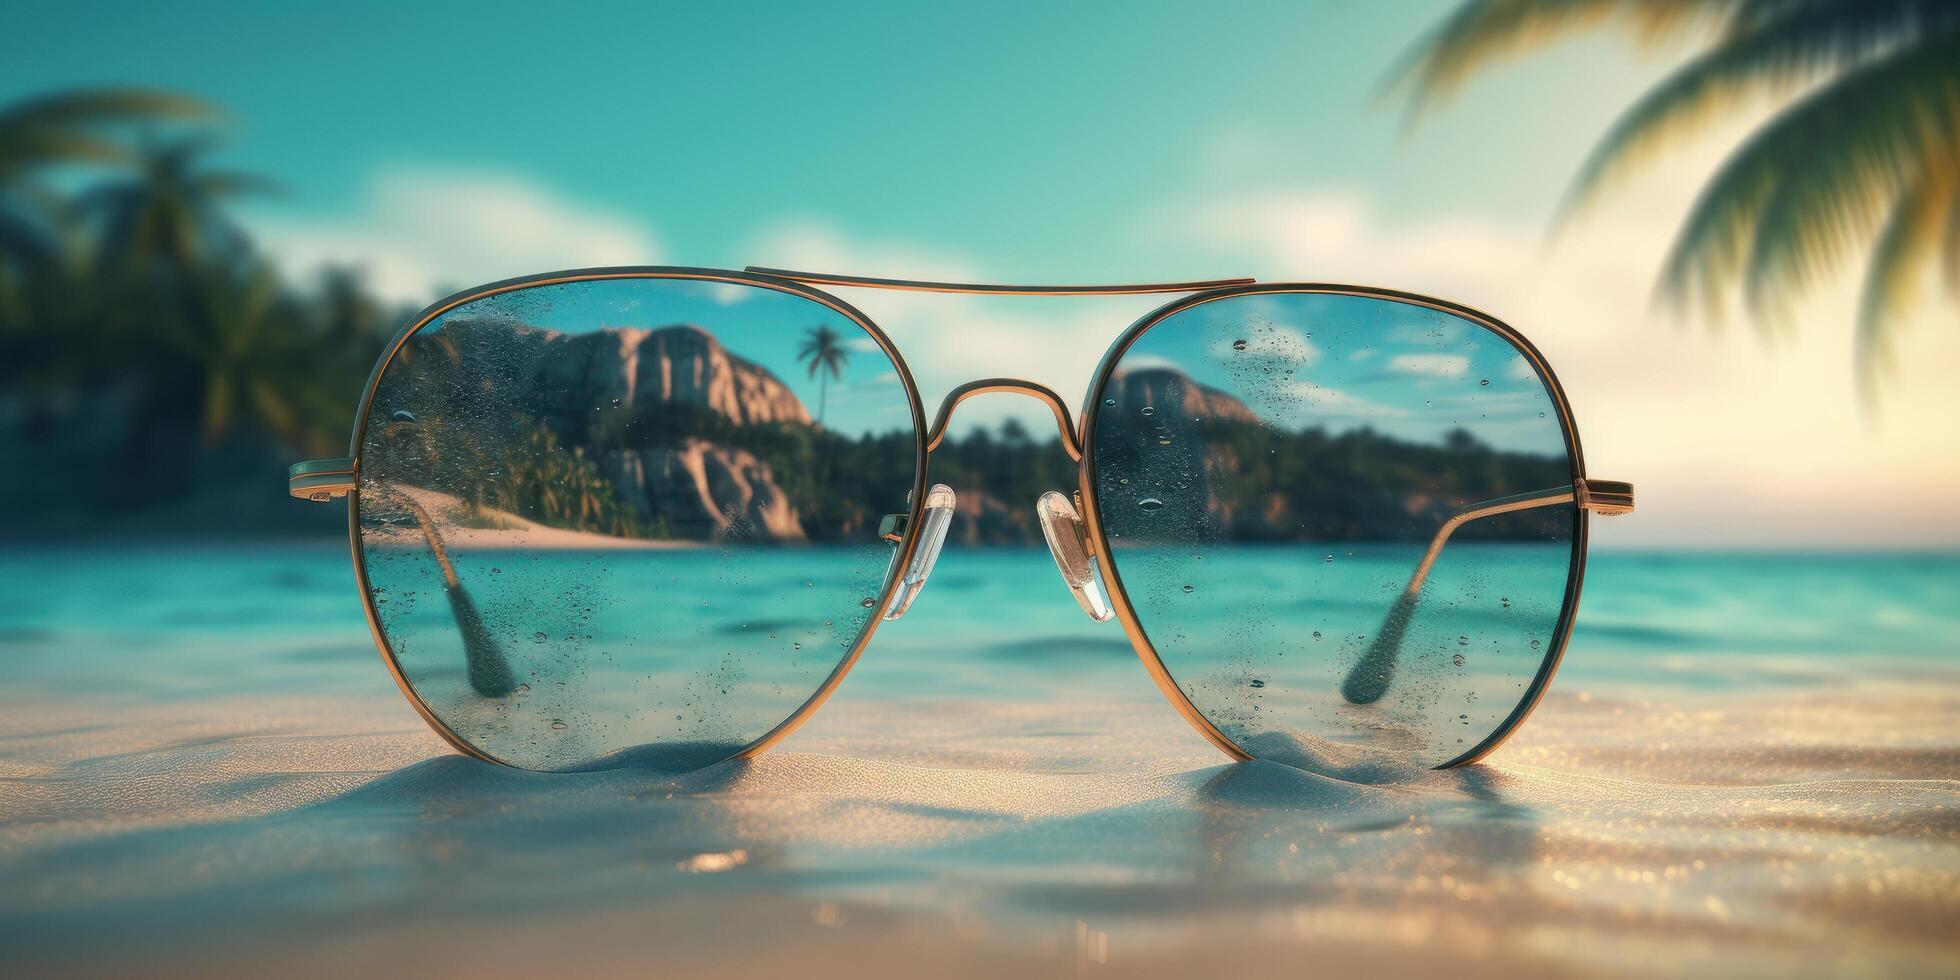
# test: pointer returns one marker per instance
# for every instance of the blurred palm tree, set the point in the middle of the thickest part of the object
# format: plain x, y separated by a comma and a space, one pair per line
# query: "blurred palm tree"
62, 129
1863, 156
170, 212
823, 349
250, 360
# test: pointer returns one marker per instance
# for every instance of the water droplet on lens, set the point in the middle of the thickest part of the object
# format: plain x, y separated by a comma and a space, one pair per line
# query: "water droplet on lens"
1149, 410
615, 403
1238, 345
1506, 600
867, 602
1150, 504
1484, 383
1329, 559
1534, 644
1190, 588
796, 646
558, 724
1109, 401
538, 636
1255, 682
1463, 641
1458, 660
402, 416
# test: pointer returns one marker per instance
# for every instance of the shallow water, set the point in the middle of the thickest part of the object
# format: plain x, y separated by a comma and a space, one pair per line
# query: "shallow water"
1748, 763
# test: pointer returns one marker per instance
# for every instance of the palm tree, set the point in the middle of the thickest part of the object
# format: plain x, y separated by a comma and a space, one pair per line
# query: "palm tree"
169, 212
824, 351
66, 128
1863, 157
251, 361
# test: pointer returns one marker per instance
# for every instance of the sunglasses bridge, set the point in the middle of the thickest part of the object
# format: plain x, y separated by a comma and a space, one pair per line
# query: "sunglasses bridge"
1059, 515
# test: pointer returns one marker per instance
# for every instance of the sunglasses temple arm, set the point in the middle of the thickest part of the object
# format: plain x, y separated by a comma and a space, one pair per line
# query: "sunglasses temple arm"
488, 670
1369, 679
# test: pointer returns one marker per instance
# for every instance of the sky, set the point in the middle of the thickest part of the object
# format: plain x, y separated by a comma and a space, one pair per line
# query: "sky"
451, 145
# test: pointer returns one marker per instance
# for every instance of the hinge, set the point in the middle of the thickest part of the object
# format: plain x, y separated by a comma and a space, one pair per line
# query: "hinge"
321, 480
1607, 498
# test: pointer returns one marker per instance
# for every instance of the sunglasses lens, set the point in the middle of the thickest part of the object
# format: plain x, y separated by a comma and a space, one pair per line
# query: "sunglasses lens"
630, 519
1344, 523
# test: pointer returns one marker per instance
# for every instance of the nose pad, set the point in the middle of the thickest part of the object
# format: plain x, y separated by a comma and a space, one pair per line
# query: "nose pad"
932, 536
1068, 542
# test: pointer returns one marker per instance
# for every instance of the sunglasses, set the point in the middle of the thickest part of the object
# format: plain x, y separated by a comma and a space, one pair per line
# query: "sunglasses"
596, 521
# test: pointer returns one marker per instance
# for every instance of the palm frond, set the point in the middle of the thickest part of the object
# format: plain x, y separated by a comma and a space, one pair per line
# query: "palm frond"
1798, 45
1912, 235
1790, 198
100, 105
1871, 154
218, 184
1484, 32
66, 127
1951, 247
22, 150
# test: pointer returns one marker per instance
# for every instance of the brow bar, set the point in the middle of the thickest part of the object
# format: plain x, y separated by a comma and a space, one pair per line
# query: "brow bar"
921, 286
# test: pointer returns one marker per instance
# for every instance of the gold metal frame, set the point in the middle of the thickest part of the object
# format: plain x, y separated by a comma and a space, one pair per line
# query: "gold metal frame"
1041, 393
983, 289
321, 480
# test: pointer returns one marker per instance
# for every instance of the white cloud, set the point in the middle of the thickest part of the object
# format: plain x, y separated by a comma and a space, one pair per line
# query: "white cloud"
1430, 365
1335, 403
416, 232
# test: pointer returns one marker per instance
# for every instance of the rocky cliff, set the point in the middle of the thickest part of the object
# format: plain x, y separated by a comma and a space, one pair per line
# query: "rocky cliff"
1174, 399
695, 487
704, 490
567, 376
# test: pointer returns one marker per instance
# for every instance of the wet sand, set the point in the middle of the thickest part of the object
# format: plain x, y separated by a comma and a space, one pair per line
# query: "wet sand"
1784, 836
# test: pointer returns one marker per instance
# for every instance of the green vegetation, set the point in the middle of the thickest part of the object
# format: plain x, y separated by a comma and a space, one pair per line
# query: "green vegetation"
141, 332
1864, 155
135, 284
1254, 483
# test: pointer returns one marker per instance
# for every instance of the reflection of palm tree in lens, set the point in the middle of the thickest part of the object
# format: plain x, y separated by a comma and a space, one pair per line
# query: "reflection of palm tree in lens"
1866, 154
824, 351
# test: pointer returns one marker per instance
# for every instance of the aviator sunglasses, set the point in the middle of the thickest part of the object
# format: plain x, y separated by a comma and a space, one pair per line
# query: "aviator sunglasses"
652, 516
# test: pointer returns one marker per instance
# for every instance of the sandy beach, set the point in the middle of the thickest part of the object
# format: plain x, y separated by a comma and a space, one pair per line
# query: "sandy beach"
965, 806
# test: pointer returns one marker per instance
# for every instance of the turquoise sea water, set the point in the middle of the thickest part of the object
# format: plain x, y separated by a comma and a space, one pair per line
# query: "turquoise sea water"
205, 769
155, 623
